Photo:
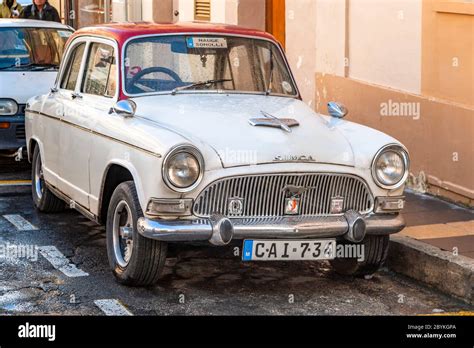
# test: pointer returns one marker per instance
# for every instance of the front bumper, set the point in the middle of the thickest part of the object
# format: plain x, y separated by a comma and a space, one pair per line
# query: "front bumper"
12, 137
268, 228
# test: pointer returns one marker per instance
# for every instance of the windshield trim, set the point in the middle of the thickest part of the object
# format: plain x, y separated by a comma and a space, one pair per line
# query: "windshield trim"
297, 95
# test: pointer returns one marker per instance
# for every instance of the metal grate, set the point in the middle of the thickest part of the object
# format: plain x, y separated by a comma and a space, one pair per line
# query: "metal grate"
202, 10
20, 132
264, 195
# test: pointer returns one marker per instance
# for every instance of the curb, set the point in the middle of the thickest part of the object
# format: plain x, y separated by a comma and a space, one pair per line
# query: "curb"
453, 275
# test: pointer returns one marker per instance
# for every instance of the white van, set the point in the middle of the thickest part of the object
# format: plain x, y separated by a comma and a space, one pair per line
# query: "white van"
30, 54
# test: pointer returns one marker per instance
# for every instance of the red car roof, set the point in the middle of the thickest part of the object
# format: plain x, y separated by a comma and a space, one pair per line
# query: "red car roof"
123, 31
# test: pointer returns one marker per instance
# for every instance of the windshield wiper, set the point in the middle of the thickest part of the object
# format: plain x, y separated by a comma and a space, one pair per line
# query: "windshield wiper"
199, 83
38, 66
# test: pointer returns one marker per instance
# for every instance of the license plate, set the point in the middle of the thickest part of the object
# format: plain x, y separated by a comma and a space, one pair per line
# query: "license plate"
269, 250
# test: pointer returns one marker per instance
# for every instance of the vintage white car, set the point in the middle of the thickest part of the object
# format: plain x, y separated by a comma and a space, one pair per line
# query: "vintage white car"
171, 133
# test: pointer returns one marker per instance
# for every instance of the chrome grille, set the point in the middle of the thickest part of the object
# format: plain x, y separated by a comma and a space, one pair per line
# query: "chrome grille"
263, 195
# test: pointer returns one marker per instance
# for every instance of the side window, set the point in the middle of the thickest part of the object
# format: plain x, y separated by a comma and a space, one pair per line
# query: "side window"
100, 73
71, 72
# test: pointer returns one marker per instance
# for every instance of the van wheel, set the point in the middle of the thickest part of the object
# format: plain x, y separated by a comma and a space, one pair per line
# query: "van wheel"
134, 259
375, 254
43, 198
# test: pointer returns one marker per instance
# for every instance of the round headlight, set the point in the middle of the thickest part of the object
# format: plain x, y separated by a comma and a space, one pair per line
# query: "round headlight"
8, 107
183, 168
390, 167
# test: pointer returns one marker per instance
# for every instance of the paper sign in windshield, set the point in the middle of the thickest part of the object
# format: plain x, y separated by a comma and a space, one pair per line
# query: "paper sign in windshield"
206, 42
64, 33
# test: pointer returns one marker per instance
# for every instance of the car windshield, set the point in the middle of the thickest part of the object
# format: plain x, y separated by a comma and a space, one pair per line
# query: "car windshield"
31, 48
205, 63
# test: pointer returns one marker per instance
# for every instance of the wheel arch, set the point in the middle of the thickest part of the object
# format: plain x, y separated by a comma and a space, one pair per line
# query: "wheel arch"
116, 173
31, 145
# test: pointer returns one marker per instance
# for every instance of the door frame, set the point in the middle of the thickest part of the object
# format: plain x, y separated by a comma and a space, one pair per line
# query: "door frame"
275, 22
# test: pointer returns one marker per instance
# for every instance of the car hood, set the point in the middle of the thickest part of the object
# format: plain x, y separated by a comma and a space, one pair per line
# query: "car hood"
17, 85
221, 122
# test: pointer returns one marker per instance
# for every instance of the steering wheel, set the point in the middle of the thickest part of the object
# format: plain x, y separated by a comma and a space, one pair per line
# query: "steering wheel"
152, 70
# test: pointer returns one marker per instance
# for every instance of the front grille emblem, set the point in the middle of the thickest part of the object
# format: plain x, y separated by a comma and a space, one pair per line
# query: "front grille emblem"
337, 204
292, 206
236, 206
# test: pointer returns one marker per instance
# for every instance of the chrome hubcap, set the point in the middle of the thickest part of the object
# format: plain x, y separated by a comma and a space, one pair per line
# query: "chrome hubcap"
123, 233
39, 180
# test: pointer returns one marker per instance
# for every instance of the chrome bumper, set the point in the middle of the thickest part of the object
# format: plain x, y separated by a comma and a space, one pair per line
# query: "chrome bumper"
266, 228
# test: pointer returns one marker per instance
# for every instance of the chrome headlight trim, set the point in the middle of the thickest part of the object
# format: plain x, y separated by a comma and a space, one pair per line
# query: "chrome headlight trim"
192, 150
406, 163
10, 102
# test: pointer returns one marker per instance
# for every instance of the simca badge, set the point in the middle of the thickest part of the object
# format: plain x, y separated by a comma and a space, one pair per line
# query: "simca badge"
337, 204
292, 206
236, 206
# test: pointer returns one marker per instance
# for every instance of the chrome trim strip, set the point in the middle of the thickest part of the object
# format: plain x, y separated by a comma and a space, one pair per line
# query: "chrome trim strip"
94, 132
81, 209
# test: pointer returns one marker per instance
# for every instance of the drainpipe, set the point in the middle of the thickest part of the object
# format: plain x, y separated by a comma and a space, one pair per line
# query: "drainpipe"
346, 39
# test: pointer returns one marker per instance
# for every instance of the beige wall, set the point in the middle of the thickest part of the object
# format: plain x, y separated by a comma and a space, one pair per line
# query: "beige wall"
330, 17
398, 51
246, 13
440, 140
377, 41
301, 44
385, 43
448, 51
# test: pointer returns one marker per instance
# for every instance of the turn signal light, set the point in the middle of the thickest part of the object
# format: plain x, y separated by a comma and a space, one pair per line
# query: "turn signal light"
4, 125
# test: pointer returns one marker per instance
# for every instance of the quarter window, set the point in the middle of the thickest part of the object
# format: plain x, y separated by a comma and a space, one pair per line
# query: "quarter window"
100, 73
73, 66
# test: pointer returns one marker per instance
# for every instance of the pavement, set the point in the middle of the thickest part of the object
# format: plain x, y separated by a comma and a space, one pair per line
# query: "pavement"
447, 226
65, 271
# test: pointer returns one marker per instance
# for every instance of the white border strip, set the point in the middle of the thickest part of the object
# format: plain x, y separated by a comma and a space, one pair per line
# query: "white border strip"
112, 307
20, 222
61, 262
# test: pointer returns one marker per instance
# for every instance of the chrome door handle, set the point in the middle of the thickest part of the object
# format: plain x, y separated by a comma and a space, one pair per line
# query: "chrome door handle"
75, 95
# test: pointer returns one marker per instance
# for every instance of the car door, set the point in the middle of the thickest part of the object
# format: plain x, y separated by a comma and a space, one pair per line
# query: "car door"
94, 96
53, 110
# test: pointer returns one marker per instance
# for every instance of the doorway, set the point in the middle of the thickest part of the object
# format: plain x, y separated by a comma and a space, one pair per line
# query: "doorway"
275, 22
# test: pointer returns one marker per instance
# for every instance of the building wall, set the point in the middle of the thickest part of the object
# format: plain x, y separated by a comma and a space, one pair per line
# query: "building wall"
448, 50
385, 43
371, 53
330, 16
247, 13
301, 45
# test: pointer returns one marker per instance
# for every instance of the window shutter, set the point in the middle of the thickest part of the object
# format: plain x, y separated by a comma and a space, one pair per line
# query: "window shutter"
202, 10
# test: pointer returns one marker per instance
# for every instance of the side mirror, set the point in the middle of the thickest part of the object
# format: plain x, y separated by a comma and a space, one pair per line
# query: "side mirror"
337, 110
124, 108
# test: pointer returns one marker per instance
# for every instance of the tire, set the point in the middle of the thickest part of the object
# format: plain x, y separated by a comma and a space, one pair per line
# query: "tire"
45, 201
135, 261
375, 252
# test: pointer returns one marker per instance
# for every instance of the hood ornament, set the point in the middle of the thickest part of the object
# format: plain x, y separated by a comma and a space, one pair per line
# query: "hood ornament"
294, 190
272, 121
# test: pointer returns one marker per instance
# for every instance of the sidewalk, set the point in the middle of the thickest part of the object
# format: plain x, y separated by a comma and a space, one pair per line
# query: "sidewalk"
439, 223
437, 246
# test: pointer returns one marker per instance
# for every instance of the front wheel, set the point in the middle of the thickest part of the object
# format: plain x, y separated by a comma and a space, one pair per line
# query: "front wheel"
134, 259
375, 253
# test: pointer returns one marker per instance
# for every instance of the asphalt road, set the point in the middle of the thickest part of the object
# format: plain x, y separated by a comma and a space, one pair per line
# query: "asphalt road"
198, 280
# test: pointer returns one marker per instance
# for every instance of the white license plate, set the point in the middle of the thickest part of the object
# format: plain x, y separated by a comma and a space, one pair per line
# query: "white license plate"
271, 250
